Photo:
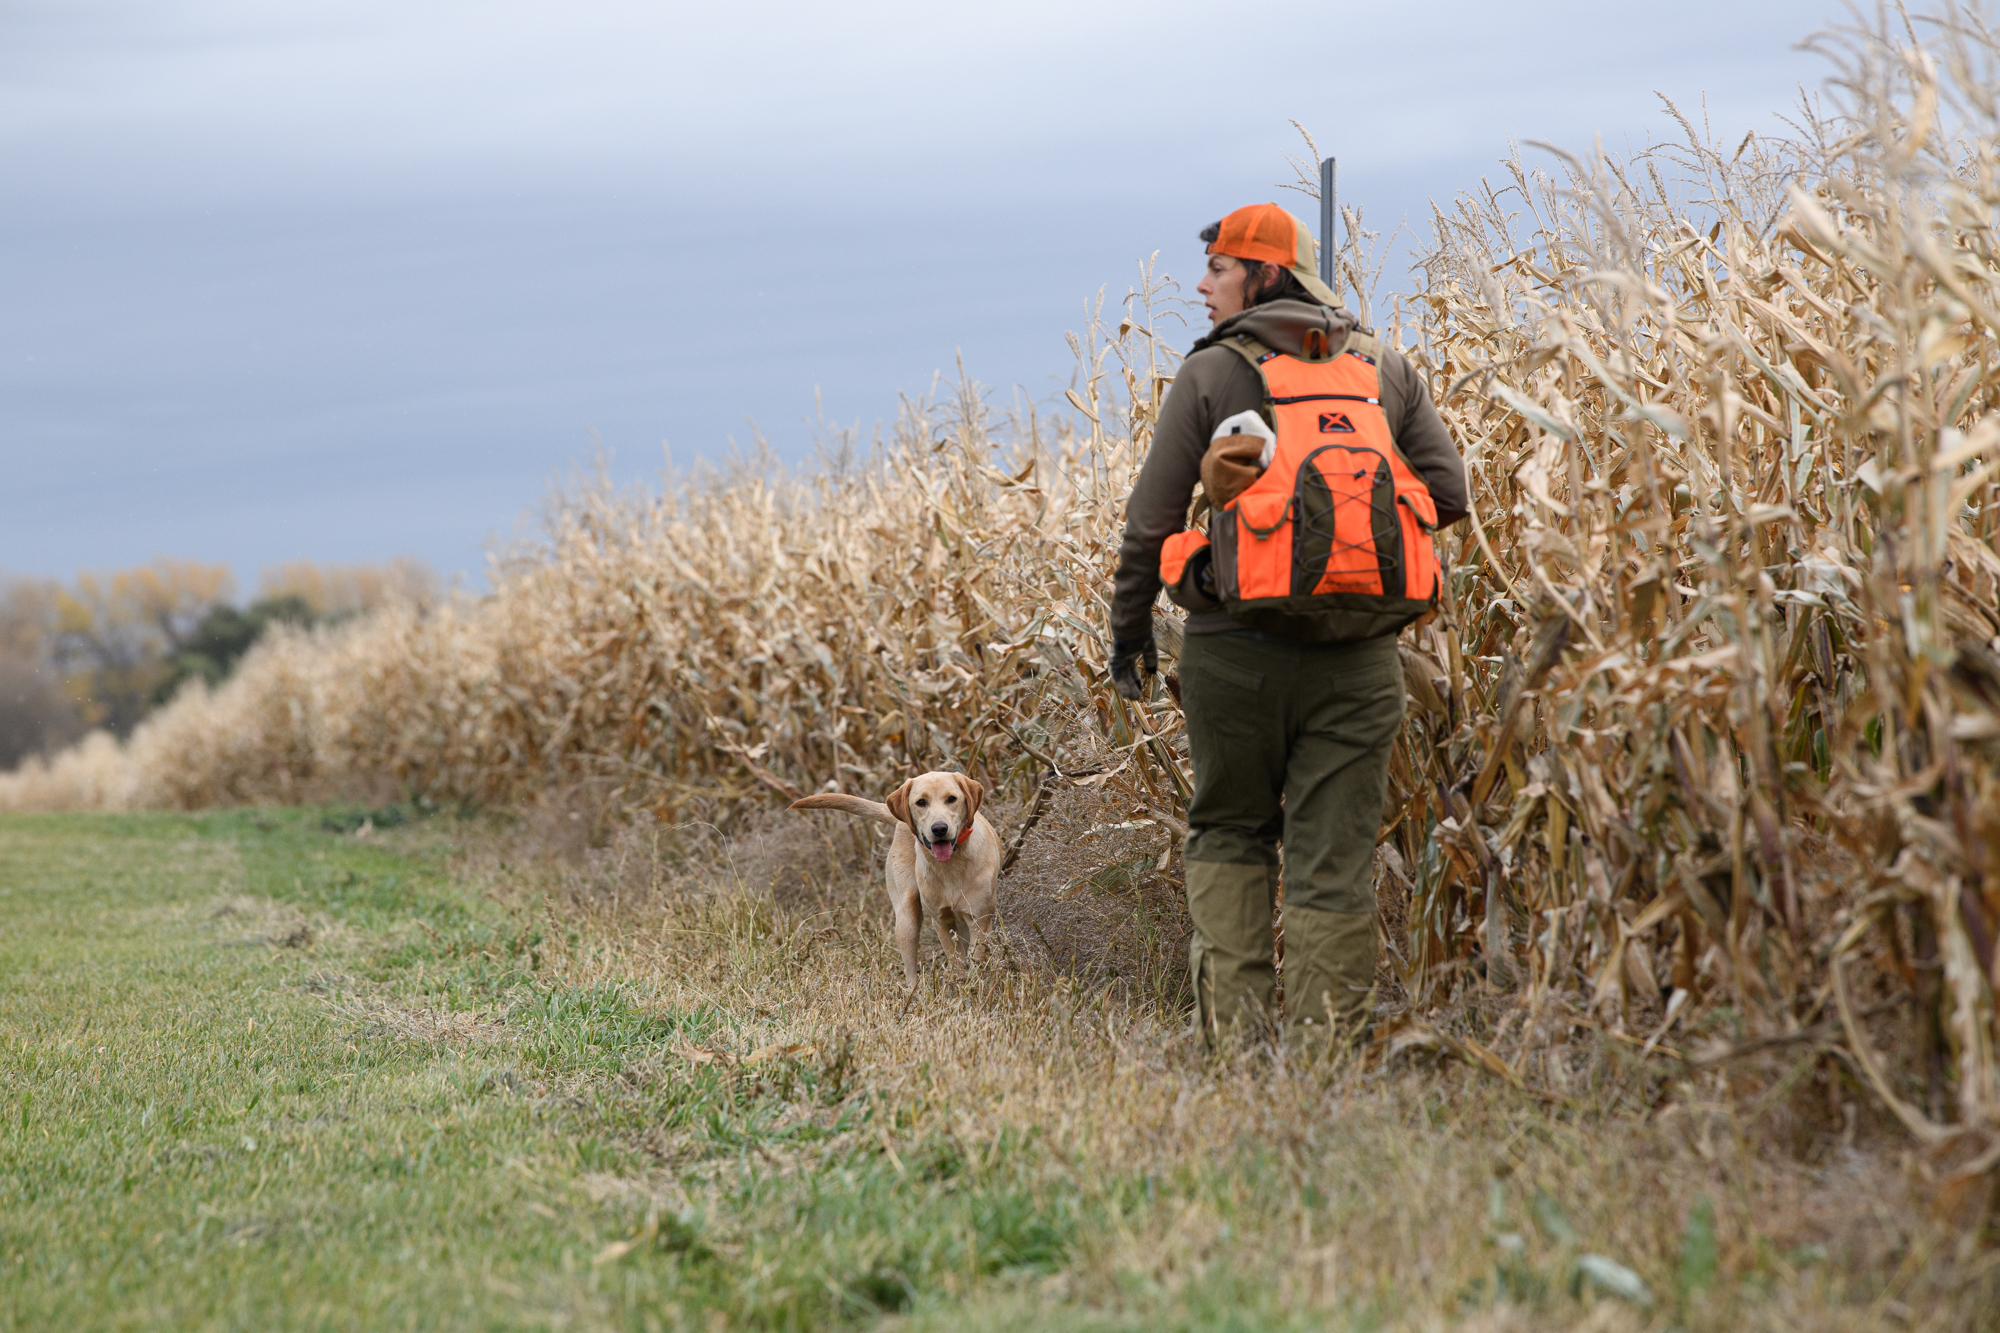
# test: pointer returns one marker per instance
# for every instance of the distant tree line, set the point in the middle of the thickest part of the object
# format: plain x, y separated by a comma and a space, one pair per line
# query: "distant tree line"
105, 650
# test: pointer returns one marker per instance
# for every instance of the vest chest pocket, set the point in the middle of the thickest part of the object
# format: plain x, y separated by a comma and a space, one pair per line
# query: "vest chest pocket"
1263, 512
1257, 544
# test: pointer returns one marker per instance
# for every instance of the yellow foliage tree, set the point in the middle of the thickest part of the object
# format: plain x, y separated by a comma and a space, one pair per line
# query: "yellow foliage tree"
28, 617
36, 715
113, 631
344, 590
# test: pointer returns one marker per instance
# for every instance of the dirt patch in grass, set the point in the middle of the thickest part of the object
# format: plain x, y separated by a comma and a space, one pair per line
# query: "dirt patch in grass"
379, 1018
241, 920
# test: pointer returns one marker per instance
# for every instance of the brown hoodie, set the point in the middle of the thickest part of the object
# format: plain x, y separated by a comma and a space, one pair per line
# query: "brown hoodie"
1215, 384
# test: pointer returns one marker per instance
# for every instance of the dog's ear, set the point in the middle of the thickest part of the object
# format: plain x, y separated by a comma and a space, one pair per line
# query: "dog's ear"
899, 802
974, 793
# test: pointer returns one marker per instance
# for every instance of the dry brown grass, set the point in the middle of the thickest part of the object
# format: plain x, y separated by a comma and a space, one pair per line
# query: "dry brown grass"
1398, 1192
1704, 749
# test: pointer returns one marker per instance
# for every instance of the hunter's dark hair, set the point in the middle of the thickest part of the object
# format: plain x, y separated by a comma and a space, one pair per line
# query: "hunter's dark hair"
1267, 281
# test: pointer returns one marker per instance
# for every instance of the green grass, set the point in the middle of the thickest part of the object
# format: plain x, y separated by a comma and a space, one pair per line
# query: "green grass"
237, 1090
259, 1072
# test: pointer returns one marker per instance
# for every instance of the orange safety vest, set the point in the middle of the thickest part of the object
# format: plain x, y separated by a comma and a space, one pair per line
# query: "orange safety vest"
1333, 541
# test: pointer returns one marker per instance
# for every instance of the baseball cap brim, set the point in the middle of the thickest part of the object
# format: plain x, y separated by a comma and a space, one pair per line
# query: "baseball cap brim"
1320, 291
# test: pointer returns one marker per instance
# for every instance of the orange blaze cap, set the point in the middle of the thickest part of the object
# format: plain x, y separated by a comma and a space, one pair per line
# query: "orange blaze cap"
1266, 233
1262, 232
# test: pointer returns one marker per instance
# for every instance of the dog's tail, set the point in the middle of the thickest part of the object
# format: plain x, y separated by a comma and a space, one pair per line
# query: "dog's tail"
853, 805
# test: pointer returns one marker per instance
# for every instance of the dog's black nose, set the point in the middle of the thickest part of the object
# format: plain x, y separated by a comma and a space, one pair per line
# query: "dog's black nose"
940, 831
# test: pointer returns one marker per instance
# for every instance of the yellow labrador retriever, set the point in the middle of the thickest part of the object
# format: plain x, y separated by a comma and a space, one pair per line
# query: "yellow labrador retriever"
945, 860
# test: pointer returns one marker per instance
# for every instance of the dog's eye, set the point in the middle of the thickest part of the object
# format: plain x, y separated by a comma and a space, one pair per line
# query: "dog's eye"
922, 802
951, 800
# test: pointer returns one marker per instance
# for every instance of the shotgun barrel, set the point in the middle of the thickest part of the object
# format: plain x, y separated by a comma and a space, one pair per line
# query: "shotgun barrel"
1329, 214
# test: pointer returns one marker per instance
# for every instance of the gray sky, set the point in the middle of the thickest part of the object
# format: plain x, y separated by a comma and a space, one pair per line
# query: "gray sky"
349, 280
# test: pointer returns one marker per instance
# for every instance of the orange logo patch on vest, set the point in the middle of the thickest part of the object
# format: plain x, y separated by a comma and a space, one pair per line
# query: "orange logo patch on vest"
1335, 423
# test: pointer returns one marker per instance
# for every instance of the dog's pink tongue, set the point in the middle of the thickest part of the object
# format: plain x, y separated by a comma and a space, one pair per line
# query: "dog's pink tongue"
941, 850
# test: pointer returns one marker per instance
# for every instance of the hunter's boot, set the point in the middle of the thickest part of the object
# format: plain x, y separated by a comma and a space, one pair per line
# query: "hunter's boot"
1230, 956
1329, 979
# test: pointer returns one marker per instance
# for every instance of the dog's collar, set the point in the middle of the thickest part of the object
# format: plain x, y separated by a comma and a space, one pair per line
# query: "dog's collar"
963, 836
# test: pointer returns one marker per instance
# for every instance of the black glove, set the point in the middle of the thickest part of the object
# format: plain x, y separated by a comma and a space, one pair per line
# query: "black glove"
1126, 657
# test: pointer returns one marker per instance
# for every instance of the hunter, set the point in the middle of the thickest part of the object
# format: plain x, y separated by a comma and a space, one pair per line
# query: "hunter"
1325, 469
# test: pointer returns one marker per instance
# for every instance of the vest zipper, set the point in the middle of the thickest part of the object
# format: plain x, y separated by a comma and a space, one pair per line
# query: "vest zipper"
1327, 397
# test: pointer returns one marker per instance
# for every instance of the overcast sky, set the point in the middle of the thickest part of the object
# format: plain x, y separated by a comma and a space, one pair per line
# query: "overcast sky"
351, 280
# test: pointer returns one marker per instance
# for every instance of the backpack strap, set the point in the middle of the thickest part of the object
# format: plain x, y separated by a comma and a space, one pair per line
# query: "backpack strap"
1362, 342
1365, 345
1256, 354
1252, 351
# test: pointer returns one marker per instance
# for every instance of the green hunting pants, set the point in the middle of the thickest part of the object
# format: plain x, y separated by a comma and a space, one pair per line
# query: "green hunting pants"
1289, 740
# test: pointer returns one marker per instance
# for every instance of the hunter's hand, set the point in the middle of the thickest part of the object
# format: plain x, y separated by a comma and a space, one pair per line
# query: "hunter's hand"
1126, 658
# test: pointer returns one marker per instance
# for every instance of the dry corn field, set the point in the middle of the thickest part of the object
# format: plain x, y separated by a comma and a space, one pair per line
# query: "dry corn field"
1702, 769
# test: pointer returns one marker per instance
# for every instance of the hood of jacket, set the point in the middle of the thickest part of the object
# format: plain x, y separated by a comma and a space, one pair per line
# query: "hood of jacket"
1283, 325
